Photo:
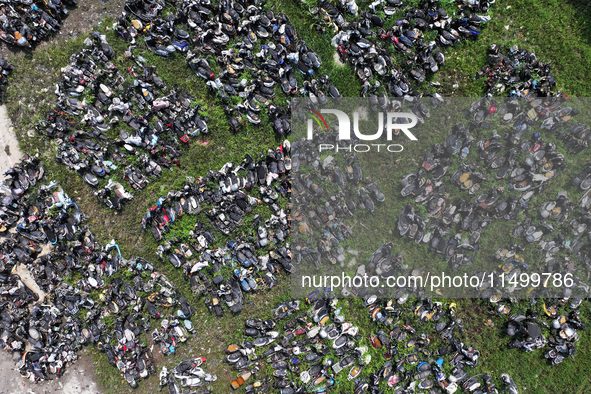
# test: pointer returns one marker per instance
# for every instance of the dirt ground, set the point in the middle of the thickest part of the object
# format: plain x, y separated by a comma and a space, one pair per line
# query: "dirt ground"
78, 378
29, 281
10, 152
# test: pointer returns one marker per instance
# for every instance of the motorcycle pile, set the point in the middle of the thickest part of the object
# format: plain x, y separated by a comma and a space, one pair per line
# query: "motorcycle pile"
26, 23
552, 327
120, 121
254, 256
188, 372
6, 69
452, 223
62, 291
326, 199
394, 54
232, 201
152, 119
523, 167
516, 73
307, 346
242, 51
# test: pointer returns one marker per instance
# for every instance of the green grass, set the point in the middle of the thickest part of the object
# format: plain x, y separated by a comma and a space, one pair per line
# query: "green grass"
562, 39
530, 371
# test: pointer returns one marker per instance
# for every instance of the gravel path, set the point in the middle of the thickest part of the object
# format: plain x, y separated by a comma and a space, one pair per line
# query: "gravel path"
9, 150
78, 378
